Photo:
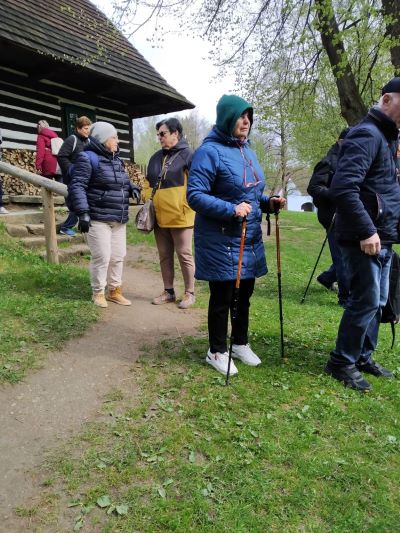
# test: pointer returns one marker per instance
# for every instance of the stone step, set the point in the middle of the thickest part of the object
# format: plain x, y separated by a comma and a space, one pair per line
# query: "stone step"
39, 241
30, 216
33, 200
75, 250
66, 254
24, 230
35, 229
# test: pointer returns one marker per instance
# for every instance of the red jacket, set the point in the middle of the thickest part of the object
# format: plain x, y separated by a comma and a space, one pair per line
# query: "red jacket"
46, 162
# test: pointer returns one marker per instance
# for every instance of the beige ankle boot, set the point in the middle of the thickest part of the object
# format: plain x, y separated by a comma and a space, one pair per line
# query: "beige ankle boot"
98, 299
115, 295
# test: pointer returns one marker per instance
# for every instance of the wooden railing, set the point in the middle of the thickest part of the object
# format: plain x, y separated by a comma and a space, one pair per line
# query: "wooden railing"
48, 187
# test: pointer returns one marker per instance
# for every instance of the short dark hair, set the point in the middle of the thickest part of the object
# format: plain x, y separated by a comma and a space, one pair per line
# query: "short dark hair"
80, 122
172, 124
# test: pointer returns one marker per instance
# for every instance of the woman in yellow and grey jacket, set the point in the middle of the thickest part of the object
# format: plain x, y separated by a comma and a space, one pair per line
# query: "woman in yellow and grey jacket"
169, 169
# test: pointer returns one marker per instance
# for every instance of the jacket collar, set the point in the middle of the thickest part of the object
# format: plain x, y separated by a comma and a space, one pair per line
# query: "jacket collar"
218, 135
384, 123
180, 145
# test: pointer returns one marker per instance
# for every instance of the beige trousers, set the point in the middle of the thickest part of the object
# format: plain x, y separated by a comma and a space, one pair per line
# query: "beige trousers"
107, 243
179, 240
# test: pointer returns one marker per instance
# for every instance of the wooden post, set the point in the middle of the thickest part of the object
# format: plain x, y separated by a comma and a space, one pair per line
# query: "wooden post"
50, 226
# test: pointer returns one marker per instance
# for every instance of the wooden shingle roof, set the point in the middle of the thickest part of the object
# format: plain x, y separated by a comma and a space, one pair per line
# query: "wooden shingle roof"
78, 34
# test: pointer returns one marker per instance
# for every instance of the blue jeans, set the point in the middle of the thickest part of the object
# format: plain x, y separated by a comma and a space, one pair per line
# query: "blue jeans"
369, 287
70, 222
337, 271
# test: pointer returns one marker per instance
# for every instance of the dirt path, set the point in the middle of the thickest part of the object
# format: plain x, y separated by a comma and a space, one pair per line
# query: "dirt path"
51, 404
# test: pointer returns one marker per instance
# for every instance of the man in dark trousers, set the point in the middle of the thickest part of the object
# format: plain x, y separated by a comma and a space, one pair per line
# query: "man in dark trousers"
367, 196
318, 188
68, 154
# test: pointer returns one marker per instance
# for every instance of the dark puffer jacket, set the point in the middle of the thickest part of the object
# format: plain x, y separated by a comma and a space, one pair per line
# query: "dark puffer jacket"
216, 186
365, 186
102, 190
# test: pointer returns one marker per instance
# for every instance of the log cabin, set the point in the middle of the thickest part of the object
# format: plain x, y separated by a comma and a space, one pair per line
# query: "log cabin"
62, 59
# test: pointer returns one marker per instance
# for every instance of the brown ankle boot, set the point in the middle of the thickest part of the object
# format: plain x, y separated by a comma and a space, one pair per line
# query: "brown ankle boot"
115, 295
99, 299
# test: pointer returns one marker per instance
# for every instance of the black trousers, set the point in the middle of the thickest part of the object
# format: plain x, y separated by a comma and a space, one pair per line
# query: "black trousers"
221, 302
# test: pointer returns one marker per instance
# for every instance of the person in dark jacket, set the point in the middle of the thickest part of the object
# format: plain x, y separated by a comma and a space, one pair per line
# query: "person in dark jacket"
66, 157
226, 183
168, 170
367, 195
99, 193
318, 188
46, 162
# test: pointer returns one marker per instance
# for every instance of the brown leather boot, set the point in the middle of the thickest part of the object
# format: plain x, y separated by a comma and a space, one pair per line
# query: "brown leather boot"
99, 299
115, 295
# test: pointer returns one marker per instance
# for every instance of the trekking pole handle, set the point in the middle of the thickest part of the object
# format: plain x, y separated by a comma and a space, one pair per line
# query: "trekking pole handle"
276, 207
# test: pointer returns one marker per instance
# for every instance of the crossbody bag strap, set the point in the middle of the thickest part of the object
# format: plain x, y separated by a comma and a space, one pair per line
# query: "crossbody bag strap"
163, 173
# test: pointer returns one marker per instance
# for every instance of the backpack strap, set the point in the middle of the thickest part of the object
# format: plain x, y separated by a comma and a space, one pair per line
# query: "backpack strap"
75, 142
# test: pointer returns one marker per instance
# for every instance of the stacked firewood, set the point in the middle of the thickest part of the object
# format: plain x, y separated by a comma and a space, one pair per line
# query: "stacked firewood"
134, 173
23, 159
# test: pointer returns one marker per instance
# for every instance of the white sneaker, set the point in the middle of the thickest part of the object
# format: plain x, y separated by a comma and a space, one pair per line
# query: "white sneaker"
244, 353
3, 211
220, 362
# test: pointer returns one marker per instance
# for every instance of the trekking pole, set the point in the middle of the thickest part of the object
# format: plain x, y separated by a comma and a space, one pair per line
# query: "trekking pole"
278, 262
236, 296
317, 261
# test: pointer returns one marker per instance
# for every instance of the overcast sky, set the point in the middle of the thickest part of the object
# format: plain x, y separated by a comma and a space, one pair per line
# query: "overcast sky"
183, 62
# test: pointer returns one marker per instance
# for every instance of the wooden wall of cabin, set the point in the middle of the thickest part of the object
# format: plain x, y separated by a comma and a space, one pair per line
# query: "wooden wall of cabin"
24, 101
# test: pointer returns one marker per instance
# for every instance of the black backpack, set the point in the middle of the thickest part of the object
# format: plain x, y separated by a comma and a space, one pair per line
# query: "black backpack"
391, 311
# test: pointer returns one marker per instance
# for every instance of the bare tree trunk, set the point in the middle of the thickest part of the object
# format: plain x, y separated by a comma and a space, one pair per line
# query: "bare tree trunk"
391, 12
351, 104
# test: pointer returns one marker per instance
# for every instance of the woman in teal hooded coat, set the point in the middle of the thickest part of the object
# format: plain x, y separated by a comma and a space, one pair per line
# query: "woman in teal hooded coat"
226, 183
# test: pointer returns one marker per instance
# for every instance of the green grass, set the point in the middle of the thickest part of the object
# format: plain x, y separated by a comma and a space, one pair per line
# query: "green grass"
135, 237
284, 448
41, 306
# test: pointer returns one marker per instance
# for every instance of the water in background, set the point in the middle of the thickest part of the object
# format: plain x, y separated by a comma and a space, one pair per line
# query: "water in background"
296, 199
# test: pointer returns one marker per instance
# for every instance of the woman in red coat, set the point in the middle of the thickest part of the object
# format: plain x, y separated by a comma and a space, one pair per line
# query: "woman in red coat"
46, 162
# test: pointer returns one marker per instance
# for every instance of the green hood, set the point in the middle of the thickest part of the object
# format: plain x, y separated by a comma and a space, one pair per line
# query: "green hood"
229, 109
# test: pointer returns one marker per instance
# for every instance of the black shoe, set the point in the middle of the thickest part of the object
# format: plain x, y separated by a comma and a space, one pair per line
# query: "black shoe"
330, 286
374, 368
349, 375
